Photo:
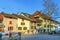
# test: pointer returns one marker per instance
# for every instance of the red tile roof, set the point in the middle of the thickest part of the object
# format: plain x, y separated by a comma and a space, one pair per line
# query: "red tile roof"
22, 17
8, 15
41, 14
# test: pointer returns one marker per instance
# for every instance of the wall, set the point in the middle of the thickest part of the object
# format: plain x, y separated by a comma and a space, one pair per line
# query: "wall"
6, 23
27, 24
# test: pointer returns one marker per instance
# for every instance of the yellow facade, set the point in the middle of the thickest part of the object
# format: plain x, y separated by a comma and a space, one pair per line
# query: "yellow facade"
45, 24
33, 27
27, 25
42, 23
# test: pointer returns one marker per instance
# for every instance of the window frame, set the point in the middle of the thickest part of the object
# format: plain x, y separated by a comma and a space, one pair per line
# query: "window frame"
10, 28
24, 28
19, 28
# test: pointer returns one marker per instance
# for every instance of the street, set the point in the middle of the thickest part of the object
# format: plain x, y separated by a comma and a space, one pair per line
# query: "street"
40, 37
36, 37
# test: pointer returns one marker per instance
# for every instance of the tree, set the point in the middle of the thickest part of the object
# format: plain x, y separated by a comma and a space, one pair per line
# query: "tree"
50, 7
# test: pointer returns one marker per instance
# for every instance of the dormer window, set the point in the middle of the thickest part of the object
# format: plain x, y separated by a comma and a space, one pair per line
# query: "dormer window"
38, 24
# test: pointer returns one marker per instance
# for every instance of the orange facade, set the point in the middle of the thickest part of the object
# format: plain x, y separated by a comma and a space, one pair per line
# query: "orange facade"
0, 29
1, 17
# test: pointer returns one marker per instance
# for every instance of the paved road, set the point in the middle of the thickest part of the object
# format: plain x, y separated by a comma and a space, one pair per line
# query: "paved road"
40, 37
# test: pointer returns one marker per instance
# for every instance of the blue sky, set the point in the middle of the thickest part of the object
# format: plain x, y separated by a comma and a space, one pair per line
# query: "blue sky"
29, 6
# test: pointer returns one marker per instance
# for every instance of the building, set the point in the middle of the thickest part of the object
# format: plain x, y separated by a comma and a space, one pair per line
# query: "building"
9, 22
40, 22
26, 23
1, 24
23, 24
43, 22
32, 22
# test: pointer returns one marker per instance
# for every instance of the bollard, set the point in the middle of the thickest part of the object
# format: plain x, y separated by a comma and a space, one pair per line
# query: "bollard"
19, 34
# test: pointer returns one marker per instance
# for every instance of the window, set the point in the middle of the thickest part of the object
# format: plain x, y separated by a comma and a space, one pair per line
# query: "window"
0, 29
24, 28
48, 26
38, 24
45, 25
36, 17
22, 23
0, 21
31, 27
45, 20
10, 22
34, 27
10, 28
19, 28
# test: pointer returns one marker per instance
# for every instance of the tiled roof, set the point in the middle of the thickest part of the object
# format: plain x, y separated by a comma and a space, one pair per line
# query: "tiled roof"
28, 16
32, 18
22, 17
8, 15
41, 14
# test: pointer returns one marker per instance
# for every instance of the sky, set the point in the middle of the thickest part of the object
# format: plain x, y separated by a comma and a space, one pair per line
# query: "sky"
28, 6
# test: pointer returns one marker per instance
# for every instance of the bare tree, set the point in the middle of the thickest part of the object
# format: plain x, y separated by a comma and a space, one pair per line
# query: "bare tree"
50, 7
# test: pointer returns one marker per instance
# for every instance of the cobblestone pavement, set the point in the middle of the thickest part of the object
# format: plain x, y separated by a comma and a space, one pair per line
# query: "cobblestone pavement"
40, 37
